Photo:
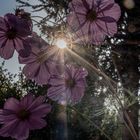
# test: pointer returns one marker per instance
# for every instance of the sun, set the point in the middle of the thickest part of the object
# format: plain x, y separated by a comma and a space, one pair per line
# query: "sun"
61, 43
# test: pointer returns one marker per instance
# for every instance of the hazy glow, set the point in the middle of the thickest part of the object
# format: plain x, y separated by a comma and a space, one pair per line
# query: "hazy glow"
129, 4
61, 43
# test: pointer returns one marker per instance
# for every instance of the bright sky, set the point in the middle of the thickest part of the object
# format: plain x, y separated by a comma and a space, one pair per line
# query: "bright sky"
12, 64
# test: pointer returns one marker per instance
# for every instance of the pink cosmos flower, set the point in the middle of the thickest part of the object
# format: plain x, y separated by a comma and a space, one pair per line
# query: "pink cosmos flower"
18, 117
39, 63
92, 20
68, 88
13, 31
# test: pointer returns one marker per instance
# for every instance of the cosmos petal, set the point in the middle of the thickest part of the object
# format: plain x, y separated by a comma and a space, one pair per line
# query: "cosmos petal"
41, 111
105, 27
76, 94
7, 51
31, 70
10, 20
113, 12
11, 104
18, 44
9, 128
21, 131
75, 21
27, 60
3, 41
37, 102
3, 26
35, 123
27, 100
77, 7
56, 81
43, 75
55, 93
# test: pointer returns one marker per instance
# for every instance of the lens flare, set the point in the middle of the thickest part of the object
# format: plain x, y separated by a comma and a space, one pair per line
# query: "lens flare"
61, 43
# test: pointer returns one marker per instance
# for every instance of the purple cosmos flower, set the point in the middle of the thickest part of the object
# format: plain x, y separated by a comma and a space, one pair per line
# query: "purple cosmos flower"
92, 20
33, 40
13, 31
18, 117
68, 88
39, 63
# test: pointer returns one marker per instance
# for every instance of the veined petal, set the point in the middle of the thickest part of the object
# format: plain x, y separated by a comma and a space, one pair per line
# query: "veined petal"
97, 37
76, 94
12, 104
7, 51
8, 128
103, 4
55, 93
41, 111
27, 100
43, 75
36, 123
31, 70
10, 20
27, 60
56, 81
75, 21
78, 7
107, 28
3, 26
21, 131
114, 12
18, 44
37, 102
3, 41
